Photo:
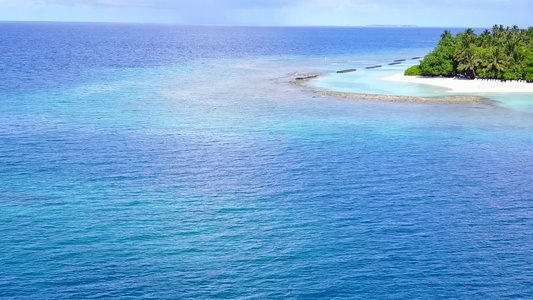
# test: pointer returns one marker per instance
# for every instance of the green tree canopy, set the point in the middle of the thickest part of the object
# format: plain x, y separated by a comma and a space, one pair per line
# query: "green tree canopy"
503, 52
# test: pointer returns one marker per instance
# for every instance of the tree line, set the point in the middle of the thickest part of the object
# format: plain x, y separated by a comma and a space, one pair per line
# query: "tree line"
503, 53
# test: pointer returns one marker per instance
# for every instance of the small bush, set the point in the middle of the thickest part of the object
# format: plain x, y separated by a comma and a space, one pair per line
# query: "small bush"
512, 74
528, 73
413, 71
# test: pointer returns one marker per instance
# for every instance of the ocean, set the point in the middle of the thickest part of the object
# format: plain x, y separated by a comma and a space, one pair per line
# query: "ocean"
177, 162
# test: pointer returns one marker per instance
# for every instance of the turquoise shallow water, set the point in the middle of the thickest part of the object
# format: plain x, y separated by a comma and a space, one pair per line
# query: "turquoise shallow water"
369, 81
215, 178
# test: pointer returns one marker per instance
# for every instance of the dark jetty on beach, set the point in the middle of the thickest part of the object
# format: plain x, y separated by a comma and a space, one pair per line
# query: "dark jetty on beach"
399, 60
302, 79
308, 76
374, 67
395, 63
347, 71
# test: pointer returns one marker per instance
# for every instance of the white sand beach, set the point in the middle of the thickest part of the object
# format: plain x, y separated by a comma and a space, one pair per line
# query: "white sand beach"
467, 86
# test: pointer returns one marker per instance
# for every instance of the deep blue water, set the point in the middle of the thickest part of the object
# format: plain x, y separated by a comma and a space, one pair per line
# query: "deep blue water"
167, 162
47, 54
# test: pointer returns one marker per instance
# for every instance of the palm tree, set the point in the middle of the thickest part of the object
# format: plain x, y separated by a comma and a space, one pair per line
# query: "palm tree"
510, 46
469, 36
498, 32
518, 57
495, 31
486, 39
446, 34
469, 61
497, 61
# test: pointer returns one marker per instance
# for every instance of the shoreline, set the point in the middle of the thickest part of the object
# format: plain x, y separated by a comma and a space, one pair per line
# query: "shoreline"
394, 98
302, 81
466, 86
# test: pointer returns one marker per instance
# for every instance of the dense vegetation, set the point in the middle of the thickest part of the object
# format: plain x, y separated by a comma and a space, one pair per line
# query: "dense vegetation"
503, 53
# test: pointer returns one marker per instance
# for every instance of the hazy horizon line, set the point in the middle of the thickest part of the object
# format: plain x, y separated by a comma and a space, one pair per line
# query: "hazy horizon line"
245, 25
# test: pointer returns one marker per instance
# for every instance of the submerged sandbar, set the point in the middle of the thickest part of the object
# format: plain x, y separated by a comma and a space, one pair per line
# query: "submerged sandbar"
394, 98
302, 80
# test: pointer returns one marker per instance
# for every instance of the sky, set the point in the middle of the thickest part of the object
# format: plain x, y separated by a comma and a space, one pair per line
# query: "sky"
435, 13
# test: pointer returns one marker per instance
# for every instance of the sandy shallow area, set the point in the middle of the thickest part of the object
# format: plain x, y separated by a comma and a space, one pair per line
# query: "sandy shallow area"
466, 86
303, 79
393, 98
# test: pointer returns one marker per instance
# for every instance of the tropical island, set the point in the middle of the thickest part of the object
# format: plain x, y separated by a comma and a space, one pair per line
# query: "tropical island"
466, 65
503, 53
